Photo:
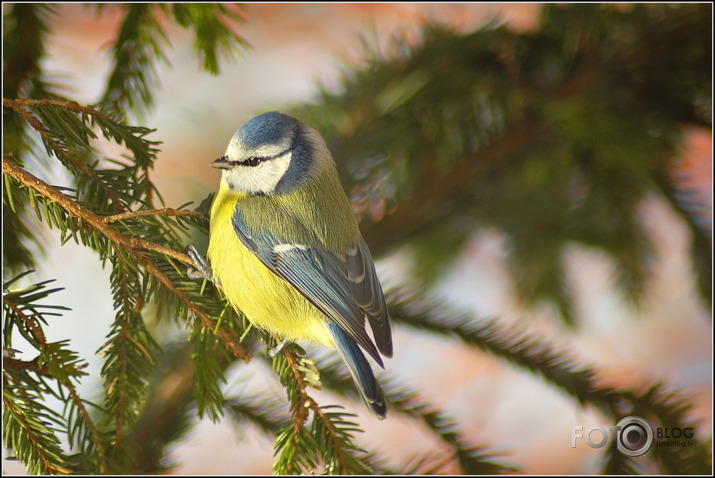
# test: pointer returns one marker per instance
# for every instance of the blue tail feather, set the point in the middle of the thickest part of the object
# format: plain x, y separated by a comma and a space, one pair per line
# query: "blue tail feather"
360, 370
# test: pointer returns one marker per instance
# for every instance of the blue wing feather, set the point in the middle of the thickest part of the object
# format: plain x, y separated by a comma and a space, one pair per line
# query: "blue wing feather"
360, 370
329, 283
366, 291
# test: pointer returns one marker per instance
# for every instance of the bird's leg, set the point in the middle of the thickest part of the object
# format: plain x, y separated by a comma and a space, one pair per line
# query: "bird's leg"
274, 351
306, 366
202, 270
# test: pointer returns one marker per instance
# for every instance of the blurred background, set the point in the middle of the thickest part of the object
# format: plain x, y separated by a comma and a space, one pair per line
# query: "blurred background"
299, 53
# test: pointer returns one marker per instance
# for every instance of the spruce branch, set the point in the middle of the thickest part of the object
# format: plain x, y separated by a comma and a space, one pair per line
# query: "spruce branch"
265, 411
125, 364
304, 403
407, 402
167, 211
329, 440
538, 356
518, 347
66, 104
426, 208
25, 431
54, 361
214, 36
139, 46
131, 245
472, 459
67, 127
74, 162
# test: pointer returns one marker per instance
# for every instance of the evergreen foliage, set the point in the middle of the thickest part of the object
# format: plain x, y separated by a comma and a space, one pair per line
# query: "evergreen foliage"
554, 137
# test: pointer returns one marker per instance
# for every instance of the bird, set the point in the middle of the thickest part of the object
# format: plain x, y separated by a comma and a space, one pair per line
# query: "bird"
286, 250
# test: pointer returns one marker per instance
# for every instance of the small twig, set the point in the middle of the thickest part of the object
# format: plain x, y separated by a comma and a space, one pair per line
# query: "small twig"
36, 442
39, 337
236, 349
70, 105
40, 128
35, 330
156, 212
300, 412
136, 243
31, 366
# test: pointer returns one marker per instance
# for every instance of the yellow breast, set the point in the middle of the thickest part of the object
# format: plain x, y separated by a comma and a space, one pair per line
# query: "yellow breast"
268, 301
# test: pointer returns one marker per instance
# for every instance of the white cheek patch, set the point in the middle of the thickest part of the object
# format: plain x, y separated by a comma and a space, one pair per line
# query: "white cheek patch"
262, 178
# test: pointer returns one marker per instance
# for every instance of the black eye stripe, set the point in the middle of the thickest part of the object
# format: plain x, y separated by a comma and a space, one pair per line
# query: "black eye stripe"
254, 160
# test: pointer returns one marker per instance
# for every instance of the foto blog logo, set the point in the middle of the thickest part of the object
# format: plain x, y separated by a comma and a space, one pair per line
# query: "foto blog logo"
633, 436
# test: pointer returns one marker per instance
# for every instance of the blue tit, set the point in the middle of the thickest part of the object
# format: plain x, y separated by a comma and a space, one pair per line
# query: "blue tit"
286, 249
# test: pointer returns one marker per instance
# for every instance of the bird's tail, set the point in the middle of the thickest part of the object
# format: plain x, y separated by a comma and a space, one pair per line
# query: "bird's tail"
360, 370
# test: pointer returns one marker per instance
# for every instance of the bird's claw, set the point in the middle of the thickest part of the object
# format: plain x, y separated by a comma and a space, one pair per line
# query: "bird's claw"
274, 351
202, 270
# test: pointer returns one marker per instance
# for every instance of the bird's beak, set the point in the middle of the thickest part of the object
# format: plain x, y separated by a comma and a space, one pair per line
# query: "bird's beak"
221, 163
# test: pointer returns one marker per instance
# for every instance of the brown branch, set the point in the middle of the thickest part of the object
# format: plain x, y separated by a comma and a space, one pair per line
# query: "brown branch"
234, 347
157, 212
35, 330
129, 243
88, 420
39, 337
136, 243
70, 105
300, 412
79, 211
40, 128
19, 416
32, 366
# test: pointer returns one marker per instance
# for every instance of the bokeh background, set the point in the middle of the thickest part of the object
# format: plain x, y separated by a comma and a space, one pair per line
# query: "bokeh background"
296, 47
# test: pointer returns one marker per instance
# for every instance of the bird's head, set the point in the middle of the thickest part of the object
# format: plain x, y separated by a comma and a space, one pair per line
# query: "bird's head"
272, 153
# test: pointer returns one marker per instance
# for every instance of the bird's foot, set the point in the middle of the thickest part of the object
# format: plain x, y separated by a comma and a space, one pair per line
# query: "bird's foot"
202, 269
274, 351
306, 366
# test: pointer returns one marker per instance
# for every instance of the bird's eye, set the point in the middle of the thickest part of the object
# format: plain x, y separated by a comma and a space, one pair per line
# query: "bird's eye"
253, 161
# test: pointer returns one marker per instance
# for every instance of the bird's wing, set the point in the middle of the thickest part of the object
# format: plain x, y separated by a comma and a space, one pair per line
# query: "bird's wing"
367, 293
342, 290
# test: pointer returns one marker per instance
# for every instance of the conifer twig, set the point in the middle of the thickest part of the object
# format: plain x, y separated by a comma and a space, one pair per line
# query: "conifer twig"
131, 244
65, 381
167, 211
40, 128
70, 105
30, 365
35, 440
300, 412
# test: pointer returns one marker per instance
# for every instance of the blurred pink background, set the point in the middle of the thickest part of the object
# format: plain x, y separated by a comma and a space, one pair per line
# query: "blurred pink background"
295, 47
